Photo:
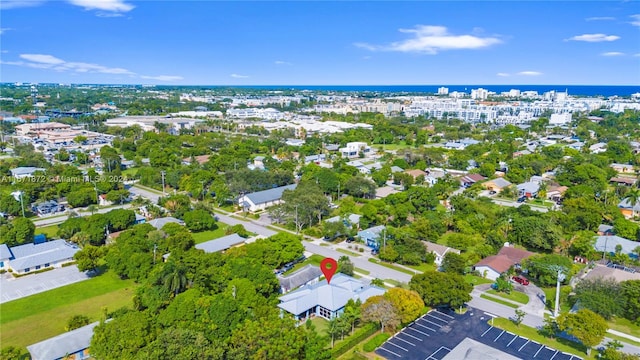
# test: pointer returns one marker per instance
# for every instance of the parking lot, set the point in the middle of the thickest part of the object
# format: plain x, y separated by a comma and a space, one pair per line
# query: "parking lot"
16, 288
437, 333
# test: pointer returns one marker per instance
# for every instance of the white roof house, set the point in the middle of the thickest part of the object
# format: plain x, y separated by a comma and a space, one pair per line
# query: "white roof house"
25, 171
221, 244
159, 223
70, 345
29, 257
327, 299
608, 244
262, 199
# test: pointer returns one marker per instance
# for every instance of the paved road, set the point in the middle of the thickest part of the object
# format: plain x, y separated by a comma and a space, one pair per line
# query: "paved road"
375, 270
16, 288
511, 203
250, 226
152, 196
59, 219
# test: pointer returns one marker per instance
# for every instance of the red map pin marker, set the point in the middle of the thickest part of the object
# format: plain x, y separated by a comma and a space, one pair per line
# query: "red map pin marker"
329, 267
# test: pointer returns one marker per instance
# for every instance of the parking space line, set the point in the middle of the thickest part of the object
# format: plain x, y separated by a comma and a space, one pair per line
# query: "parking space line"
418, 331
431, 322
541, 347
426, 327
499, 336
437, 318
445, 315
411, 336
525, 344
403, 340
484, 333
512, 340
389, 351
398, 346
554, 355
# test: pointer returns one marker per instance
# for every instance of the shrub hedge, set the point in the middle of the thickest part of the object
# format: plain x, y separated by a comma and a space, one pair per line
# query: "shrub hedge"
354, 339
374, 343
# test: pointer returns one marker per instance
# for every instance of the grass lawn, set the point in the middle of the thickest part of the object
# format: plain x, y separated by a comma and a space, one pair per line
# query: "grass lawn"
321, 325
130, 172
622, 339
203, 236
396, 283
38, 317
362, 271
516, 296
423, 267
391, 266
550, 296
50, 231
351, 253
497, 300
476, 280
625, 326
532, 334
313, 260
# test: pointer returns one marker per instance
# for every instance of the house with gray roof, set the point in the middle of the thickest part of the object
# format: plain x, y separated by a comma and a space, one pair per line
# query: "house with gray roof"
326, 300
70, 345
25, 171
608, 244
528, 189
221, 244
306, 275
263, 199
161, 222
372, 236
351, 219
25, 258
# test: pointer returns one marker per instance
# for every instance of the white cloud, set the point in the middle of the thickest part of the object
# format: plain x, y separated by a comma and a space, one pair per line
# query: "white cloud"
636, 55
612, 53
530, 73
40, 58
162, 77
238, 76
594, 37
104, 5
44, 61
636, 20
14, 4
3, 30
502, 74
432, 39
600, 18
280, 62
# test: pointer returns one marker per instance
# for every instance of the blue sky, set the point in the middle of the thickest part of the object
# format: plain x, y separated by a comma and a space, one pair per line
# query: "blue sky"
320, 43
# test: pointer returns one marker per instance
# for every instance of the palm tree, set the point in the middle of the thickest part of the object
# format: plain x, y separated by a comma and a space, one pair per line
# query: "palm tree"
92, 208
633, 198
333, 329
175, 279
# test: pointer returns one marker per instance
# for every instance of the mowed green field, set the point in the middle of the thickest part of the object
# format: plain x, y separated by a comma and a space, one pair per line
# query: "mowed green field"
38, 317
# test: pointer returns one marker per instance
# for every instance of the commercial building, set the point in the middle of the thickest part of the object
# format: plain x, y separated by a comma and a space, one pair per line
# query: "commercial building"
25, 258
263, 199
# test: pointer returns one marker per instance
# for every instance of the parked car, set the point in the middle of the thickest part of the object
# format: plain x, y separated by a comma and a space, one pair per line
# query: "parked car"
522, 199
492, 192
374, 252
521, 280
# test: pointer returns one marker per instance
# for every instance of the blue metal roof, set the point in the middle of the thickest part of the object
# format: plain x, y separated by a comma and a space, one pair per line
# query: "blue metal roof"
220, 244
31, 255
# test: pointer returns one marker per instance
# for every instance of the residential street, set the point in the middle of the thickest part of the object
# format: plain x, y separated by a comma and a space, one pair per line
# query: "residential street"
57, 219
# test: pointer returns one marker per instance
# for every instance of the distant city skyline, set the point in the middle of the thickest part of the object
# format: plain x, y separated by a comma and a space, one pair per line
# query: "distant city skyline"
320, 43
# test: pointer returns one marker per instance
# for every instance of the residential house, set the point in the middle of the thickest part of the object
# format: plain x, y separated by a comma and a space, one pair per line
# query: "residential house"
623, 168
25, 258
497, 184
395, 169
598, 148
353, 149
610, 273
528, 189
433, 174
626, 181
416, 173
307, 275
263, 199
102, 200
605, 230
25, 171
439, 251
221, 244
200, 159
493, 266
139, 219
258, 163
383, 192
70, 345
372, 236
555, 192
627, 209
47, 207
471, 179
159, 223
314, 158
451, 145
350, 220
608, 244
326, 300
295, 142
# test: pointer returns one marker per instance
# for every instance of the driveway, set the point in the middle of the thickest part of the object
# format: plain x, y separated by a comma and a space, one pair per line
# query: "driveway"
16, 288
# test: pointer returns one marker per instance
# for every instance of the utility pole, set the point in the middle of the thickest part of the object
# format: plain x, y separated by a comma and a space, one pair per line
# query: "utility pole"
22, 203
155, 247
296, 219
162, 173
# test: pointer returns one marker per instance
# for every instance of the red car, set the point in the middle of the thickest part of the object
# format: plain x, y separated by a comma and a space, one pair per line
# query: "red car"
521, 280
